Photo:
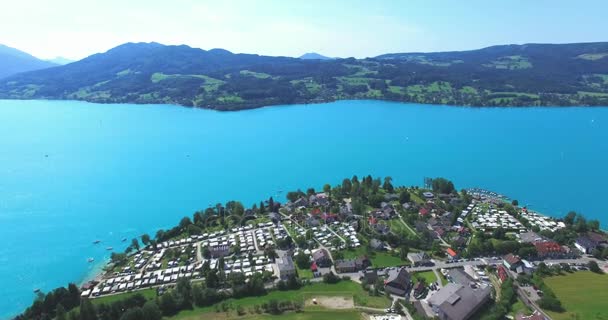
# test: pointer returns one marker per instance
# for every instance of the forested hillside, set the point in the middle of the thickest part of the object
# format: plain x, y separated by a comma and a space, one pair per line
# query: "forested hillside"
510, 75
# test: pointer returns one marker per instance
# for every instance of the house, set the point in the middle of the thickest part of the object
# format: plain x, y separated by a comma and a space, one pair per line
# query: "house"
419, 288
549, 249
376, 244
302, 202
459, 242
458, 302
587, 243
274, 217
285, 266
511, 261
345, 266
362, 262
382, 228
459, 276
421, 226
419, 258
451, 254
423, 211
398, 282
529, 237
321, 258
369, 276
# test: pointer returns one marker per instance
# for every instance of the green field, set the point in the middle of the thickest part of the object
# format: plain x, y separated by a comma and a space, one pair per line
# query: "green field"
342, 289
428, 276
379, 259
583, 295
305, 315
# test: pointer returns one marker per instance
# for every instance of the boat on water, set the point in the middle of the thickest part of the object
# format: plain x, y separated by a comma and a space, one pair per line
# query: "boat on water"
109, 248
96, 241
124, 239
90, 260
36, 290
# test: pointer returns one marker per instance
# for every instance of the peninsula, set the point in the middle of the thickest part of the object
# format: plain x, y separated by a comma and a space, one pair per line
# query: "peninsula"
361, 246
151, 73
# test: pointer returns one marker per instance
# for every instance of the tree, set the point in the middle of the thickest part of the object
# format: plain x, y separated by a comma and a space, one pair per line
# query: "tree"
60, 313
145, 239
594, 267
327, 188
271, 204
388, 186
168, 304
593, 224
184, 293
443, 185
515, 203
346, 185
135, 244
569, 218
404, 196
303, 260
310, 191
270, 253
331, 278
133, 314
151, 311
87, 310
184, 223
403, 251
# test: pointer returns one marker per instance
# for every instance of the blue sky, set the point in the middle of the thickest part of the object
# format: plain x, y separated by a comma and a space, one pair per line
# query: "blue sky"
78, 28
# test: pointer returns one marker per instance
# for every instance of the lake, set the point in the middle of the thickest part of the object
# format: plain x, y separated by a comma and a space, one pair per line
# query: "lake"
72, 172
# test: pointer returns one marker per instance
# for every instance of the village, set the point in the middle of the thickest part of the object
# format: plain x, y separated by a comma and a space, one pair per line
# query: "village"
415, 246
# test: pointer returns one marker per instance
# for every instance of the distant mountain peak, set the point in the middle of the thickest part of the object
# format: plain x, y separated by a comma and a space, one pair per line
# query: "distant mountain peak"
13, 61
314, 56
60, 61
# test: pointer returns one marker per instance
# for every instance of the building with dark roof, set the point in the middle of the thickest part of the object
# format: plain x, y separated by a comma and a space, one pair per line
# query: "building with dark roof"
285, 265
398, 282
346, 266
458, 302
419, 258
511, 261
321, 257
585, 244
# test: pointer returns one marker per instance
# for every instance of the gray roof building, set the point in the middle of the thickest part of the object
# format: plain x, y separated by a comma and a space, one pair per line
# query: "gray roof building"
285, 265
458, 302
398, 282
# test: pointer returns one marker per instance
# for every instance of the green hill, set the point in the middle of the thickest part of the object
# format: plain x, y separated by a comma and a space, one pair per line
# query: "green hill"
510, 75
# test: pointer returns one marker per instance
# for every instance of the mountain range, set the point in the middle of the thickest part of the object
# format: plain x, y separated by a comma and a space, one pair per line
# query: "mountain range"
14, 61
506, 75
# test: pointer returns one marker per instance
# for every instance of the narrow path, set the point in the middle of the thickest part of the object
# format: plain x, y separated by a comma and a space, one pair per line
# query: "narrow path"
439, 282
408, 226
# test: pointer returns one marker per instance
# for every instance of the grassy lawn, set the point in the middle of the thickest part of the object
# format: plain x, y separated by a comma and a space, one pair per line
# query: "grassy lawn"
385, 259
379, 259
147, 293
519, 308
583, 295
428, 276
343, 289
306, 315
304, 273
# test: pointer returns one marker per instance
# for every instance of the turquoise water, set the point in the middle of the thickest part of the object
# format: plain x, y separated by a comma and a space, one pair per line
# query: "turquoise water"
73, 172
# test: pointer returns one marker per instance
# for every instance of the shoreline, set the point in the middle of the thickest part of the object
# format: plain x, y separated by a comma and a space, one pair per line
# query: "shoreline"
264, 106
